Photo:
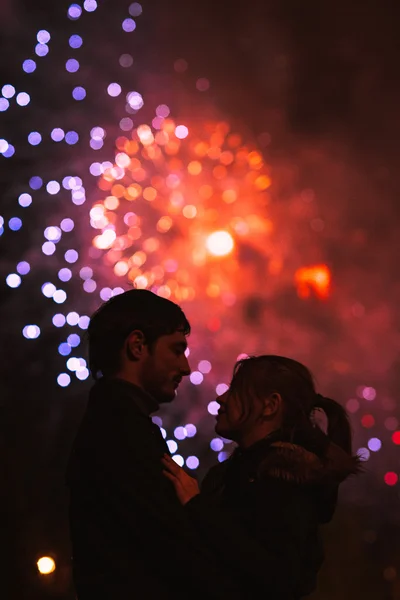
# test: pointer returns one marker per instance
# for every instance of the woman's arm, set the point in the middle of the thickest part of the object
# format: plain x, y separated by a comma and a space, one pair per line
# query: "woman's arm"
261, 546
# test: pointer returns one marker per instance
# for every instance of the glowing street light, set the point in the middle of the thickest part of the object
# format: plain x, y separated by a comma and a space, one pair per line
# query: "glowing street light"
46, 565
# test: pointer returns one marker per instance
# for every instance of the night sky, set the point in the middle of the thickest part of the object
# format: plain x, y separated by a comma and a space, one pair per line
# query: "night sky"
275, 122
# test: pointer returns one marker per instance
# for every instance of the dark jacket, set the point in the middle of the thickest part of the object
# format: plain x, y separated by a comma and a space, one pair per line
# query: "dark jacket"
130, 536
261, 510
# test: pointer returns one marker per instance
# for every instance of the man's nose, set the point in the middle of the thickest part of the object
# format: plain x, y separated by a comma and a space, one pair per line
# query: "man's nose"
185, 368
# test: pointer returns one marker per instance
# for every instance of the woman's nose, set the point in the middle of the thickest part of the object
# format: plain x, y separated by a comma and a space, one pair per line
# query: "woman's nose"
222, 398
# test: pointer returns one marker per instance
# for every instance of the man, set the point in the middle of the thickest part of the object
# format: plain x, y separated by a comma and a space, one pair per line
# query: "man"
130, 536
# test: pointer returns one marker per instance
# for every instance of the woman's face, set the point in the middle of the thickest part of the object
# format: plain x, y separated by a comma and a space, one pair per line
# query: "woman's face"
231, 421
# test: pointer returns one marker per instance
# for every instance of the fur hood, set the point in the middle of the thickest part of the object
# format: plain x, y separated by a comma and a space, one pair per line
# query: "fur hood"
317, 462
292, 462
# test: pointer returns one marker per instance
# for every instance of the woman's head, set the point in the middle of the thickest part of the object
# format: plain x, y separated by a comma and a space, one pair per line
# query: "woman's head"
270, 392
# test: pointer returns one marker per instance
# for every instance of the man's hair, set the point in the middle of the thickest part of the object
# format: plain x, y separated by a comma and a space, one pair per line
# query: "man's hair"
111, 324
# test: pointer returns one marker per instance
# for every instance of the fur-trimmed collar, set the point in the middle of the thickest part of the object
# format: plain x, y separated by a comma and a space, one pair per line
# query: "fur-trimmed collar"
293, 462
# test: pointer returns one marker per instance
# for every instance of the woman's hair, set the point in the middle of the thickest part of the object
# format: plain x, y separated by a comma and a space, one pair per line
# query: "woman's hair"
111, 324
259, 376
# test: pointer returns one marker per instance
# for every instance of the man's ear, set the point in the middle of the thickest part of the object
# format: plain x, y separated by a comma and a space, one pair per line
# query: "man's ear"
272, 405
134, 344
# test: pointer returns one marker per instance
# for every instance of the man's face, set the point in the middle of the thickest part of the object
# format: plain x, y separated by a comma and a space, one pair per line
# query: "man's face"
164, 367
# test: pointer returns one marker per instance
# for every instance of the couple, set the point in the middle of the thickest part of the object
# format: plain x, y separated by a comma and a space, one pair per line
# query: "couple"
141, 528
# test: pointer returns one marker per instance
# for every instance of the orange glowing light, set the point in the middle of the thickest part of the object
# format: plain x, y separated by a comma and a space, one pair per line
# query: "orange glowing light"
135, 164
316, 278
201, 149
151, 245
141, 282
175, 164
164, 224
214, 152
138, 259
162, 138
111, 202
134, 233
194, 167
213, 290
220, 243
113, 256
164, 291
234, 140
176, 199
122, 160
149, 194
240, 226
205, 191
158, 272
211, 214
189, 211
263, 182
131, 147
227, 158
133, 191
255, 160
145, 135
197, 191
121, 268
151, 152
120, 142
219, 172
46, 565
139, 174
103, 184
229, 196
157, 182
172, 147
169, 125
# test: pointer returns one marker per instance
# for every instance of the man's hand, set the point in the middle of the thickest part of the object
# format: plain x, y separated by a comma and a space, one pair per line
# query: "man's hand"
186, 487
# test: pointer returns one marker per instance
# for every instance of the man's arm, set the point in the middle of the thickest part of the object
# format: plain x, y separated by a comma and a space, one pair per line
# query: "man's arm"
124, 463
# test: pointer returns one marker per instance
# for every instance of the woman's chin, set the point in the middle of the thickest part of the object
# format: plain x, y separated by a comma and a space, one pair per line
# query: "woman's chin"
221, 430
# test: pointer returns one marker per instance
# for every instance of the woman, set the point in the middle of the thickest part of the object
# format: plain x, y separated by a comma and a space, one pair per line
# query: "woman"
259, 512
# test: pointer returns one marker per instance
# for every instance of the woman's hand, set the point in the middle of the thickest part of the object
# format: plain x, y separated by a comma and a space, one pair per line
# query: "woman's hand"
186, 487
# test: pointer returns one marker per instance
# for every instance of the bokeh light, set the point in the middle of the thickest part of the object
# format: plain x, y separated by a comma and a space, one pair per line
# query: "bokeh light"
128, 25
46, 565
29, 65
123, 184
74, 12
75, 41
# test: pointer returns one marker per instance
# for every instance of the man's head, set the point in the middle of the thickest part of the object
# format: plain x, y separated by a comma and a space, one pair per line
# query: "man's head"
140, 337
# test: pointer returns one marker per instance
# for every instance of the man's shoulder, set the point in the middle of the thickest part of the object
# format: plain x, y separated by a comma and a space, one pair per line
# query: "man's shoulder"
110, 437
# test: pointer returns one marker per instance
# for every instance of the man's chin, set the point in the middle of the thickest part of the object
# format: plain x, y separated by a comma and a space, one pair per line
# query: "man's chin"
166, 397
